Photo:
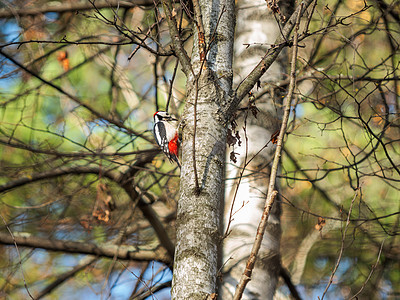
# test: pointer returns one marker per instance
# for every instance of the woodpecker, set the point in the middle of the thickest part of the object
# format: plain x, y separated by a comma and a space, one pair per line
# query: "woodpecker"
166, 134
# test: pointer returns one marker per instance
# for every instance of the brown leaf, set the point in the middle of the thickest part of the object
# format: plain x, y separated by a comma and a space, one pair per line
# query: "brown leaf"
233, 124
232, 156
85, 223
238, 138
173, 13
104, 203
230, 138
62, 57
274, 137
321, 224
212, 296
254, 110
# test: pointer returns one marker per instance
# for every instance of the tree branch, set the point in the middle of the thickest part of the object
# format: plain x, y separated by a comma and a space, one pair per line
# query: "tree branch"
76, 154
55, 173
292, 288
125, 181
102, 250
71, 7
149, 292
272, 193
342, 246
111, 120
247, 84
180, 51
65, 276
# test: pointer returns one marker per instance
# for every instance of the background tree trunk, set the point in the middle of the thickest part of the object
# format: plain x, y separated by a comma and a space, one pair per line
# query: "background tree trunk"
257, 27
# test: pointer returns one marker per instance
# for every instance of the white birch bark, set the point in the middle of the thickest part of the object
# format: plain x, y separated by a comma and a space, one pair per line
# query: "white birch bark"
255, 26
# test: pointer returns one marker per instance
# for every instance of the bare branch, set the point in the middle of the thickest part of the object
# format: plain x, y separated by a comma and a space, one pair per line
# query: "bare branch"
12, 240
341, 248
150, 291
180, 51
20, 145
65, 276
370, 273
245, 87
109, 119
272, 193
125, 180
72, 7
55, 173
292, 288
102, 250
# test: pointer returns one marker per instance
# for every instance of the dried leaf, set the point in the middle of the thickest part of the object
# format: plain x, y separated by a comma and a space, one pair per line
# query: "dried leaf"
274, 137
62, 57
238, 138
321, 224
173, 13
104, 203
232, 156
254, 110
233, 124
212, 296
230, 139
251, 97
85, 223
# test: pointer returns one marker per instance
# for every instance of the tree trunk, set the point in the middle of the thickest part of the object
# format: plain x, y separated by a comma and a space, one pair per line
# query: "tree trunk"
255, 26
199, 211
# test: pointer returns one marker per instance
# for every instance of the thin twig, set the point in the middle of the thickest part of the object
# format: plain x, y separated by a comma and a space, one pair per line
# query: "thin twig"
64, 277
342, 246
370, 273
245, 163
19, 256
171, 82
156, 59
171, 85
272, 193
179, 49
70, 7
198, 19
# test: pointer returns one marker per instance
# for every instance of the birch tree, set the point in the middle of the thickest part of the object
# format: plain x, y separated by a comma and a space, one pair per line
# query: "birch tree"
247, 178
210, 107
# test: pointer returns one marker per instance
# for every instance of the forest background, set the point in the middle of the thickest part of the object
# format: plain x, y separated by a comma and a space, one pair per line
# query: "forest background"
89, 205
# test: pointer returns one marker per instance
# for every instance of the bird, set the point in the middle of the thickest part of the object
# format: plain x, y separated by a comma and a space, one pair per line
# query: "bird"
166, 134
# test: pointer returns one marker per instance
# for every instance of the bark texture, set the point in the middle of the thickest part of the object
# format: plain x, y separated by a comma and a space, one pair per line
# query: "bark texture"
199, 212
255, 26
198, 233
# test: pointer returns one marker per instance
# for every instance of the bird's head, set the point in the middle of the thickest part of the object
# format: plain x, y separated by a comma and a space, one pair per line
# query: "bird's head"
163, 116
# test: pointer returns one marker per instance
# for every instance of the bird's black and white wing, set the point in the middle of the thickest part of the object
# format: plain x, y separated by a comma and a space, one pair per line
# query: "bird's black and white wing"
160, 136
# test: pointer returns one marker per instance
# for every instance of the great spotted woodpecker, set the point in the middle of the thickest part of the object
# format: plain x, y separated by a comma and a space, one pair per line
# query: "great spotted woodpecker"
166, 134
